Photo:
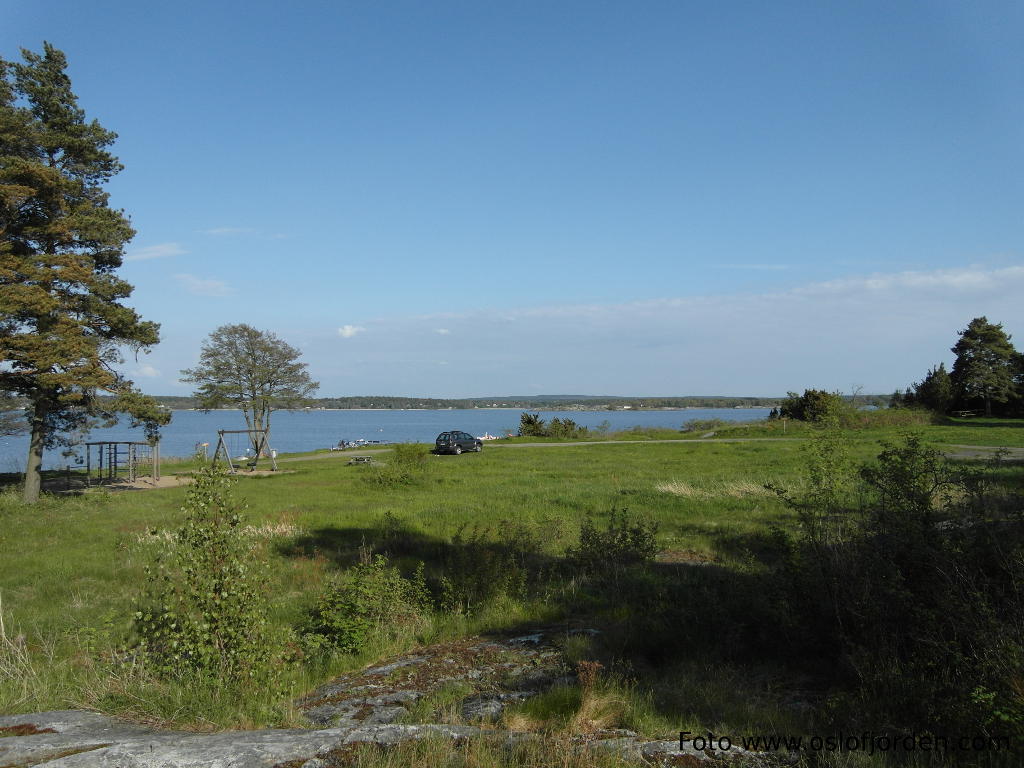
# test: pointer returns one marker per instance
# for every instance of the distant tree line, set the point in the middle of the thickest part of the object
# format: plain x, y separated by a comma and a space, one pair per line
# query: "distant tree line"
533, 403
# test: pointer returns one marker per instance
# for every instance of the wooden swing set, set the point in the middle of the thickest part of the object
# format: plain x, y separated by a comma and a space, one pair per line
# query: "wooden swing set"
259, 438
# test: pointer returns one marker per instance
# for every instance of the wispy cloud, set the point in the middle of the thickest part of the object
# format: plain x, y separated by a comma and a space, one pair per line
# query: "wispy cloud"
348, 331
199, 286
442, 331
228, 231
880, 330
147, 372
158, 251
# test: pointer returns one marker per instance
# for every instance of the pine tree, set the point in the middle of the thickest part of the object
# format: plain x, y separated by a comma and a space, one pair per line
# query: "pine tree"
984, 366
936, 391
61, 317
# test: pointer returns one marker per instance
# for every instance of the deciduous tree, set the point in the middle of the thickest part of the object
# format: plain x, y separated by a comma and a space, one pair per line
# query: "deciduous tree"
250, 369
62, 320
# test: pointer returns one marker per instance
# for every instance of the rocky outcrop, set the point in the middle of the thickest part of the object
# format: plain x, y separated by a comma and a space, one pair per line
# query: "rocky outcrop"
358, 708
496, 671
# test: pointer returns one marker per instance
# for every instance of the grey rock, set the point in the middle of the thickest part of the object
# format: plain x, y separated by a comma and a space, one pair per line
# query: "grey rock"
489, 706
668, 752
363, 711
409, 661
389, 735
533, 638
88, 740
626, 747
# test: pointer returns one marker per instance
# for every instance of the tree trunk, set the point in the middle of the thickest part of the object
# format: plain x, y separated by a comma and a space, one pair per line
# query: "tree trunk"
34, 462
257, 424
988, 406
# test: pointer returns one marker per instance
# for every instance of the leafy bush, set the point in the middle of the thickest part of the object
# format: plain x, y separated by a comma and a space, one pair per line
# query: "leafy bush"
915, 597
479, 566
407, 465
704, 425
374, 597
812, 405
627, 540
532, 425
567, 429
204, 610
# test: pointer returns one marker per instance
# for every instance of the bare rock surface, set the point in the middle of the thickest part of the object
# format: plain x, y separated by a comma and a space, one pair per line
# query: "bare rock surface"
496, 671
362, 707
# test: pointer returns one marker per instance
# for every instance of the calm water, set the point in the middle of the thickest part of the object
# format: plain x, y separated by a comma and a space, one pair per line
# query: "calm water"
309, 430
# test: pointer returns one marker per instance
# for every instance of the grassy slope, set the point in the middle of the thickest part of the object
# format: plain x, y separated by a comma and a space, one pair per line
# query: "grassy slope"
71, 565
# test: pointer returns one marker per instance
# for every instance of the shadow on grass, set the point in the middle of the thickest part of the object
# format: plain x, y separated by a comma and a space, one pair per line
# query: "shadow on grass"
981, 422
650, 613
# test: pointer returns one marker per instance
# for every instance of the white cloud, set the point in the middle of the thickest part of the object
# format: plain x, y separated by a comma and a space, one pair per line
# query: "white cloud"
348, 331
951, 281
881, 330
203, 287
158, 251
442, 331
146, 372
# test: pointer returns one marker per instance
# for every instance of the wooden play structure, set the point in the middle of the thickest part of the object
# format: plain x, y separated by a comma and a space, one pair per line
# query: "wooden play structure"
257, 442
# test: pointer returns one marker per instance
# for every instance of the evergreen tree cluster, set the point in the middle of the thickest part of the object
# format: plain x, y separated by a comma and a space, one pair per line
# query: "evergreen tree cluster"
987, 376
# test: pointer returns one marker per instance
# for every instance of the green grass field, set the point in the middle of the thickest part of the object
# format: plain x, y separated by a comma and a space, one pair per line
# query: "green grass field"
71, 566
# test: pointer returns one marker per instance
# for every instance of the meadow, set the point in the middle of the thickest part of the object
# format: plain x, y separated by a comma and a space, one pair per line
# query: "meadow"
694, 641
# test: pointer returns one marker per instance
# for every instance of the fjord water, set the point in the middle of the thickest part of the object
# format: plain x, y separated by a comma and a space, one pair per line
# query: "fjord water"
293, 431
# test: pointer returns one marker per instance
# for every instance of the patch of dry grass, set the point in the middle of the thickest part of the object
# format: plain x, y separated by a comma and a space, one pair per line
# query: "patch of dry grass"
736, 489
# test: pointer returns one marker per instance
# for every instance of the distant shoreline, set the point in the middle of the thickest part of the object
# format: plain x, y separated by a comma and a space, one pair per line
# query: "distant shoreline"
505, 408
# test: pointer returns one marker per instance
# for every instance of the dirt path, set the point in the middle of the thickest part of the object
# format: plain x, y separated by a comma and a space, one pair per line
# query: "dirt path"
503, 445
952, 450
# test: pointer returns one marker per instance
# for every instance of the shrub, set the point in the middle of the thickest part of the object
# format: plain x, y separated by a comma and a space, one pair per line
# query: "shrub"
407, 465
812, 405
566, 429
627, 540
478, 568
374, 597
204, 610
704, 425
531, 425
915, 597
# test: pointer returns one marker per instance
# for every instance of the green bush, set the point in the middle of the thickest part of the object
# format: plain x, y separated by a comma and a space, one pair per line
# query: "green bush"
532, 425
812, 405
566, 429
626, 540
479, 565
704, 425
204, 610
407, 465
373, 598
915, 596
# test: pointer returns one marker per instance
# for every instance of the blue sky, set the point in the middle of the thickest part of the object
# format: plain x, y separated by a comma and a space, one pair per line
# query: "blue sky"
474, 198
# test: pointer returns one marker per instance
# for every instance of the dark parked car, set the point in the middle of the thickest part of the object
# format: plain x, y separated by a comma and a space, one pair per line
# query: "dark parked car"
457, 442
